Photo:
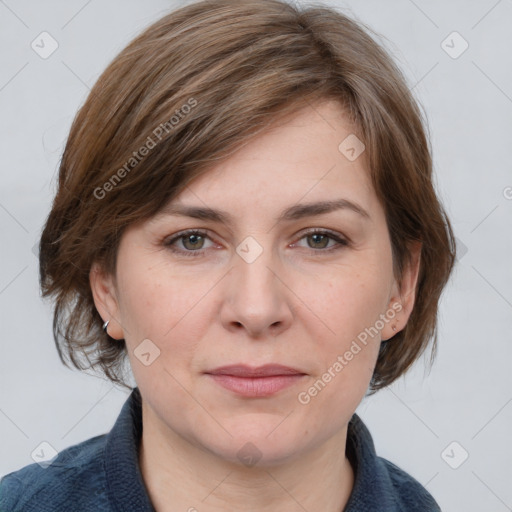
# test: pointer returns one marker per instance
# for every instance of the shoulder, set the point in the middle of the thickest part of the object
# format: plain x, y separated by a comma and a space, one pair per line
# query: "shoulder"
408, 493
76, 476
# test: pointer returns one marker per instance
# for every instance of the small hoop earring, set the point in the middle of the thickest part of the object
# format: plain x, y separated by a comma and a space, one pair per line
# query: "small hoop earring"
105, 325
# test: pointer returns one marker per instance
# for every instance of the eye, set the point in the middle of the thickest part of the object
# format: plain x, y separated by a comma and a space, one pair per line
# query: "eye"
318, 240
192, 242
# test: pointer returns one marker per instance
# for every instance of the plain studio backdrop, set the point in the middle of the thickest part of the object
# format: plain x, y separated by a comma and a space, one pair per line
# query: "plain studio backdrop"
449, 428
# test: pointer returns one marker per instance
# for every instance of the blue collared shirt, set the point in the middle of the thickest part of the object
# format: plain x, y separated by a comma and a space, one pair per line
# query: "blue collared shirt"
102, 474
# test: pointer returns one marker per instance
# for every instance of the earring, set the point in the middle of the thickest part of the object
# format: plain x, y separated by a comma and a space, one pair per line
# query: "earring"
105, 325
393, 327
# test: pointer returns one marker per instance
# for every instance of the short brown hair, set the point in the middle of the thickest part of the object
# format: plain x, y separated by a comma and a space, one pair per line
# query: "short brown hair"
196, 86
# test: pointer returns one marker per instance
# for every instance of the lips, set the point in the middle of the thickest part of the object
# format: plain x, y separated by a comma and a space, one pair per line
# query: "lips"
242, 370
255, 382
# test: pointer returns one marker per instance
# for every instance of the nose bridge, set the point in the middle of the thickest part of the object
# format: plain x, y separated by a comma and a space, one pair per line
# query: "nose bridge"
254, 277
258, 299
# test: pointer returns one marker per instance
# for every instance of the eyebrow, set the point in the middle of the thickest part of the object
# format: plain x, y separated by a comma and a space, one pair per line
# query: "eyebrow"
295, 212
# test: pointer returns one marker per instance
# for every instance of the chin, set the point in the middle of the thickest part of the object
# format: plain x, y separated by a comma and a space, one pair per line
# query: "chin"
257, 441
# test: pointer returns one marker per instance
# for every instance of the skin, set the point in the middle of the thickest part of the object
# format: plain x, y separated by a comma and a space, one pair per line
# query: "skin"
301, 303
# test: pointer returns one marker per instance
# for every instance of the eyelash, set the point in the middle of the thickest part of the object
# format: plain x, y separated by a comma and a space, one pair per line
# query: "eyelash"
341, 242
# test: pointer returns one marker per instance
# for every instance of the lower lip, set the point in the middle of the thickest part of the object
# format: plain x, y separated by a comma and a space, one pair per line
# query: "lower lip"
256, 386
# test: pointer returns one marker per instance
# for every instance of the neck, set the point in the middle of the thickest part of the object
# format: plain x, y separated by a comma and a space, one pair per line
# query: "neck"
181, 476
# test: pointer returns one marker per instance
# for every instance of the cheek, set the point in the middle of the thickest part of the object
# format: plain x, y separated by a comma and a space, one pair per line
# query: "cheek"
334, 395
165, 307
342, 329
158, 308
346, 301
347, 352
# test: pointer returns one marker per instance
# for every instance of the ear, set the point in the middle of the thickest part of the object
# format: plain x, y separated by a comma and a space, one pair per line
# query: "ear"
402, 299
105, 300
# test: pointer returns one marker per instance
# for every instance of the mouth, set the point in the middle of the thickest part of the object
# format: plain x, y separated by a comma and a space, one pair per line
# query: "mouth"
255, 382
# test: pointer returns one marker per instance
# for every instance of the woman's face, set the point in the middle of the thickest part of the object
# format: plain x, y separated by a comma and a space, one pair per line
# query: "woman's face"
258, 287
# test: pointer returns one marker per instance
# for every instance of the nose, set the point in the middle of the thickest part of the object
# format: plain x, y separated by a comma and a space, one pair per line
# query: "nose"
256, 297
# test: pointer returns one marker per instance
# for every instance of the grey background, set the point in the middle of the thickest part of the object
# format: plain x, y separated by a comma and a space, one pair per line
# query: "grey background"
466, 397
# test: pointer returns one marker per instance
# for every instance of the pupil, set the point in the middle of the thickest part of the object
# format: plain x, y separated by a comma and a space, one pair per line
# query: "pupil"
317, 238
192, 239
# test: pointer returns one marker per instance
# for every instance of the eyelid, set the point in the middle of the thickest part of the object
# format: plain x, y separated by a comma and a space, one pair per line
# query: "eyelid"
327, 231
186, 232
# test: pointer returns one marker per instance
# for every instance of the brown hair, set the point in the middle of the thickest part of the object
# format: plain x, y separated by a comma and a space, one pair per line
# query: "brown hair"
191, 89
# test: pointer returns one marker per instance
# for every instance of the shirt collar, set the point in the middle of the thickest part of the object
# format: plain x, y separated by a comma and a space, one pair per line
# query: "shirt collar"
372, 483
125, 486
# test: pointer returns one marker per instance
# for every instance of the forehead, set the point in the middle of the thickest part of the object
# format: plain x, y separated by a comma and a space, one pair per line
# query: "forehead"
301, 157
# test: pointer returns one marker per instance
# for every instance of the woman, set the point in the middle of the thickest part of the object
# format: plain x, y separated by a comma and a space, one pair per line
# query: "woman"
246, 210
